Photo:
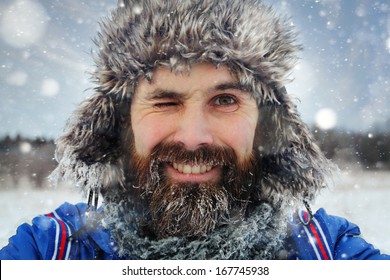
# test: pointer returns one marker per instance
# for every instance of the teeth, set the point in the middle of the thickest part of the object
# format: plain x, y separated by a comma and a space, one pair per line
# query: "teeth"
192, 169
195, 169
187, 169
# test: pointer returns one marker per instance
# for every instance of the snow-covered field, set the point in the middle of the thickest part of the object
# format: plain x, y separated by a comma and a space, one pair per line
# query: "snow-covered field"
362, 197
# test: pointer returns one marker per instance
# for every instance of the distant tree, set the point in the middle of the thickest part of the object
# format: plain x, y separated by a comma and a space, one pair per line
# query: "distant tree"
25, 158
366, 149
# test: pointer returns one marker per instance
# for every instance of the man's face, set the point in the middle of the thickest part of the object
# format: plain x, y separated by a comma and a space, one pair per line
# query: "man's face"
205, 107
196, 125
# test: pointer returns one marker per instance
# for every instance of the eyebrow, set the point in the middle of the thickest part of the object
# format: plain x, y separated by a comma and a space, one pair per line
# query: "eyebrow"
236, 86
160, 93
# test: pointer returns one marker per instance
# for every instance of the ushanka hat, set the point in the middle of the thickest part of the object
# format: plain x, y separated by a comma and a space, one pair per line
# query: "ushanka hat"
247, 36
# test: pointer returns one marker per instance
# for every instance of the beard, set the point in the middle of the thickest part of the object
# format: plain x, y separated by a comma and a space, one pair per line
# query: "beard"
153, 217
191, 209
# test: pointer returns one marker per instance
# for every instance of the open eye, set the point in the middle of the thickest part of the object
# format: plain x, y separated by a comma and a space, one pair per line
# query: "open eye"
225, 102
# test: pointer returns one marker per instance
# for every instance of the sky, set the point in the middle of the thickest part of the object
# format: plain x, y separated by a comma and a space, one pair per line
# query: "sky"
341, 81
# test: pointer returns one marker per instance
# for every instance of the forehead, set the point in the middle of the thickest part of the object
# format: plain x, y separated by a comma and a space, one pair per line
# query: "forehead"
202, 76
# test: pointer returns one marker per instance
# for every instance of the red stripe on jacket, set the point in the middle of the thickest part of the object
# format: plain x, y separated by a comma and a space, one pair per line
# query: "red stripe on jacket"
61, 252
317, 238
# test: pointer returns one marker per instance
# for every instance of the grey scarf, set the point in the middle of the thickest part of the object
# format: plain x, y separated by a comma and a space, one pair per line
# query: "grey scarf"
260, 236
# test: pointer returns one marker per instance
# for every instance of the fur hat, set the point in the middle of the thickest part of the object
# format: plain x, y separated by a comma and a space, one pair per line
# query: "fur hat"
248, 36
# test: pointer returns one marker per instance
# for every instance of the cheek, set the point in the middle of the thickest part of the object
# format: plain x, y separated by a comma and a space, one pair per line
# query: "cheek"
149, 132
239, 136
145, 137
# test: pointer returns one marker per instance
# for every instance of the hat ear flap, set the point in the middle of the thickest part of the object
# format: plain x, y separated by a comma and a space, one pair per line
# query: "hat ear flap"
291, 164
93, 131
88, 150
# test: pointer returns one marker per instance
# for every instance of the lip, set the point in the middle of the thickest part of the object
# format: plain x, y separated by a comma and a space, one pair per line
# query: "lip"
192, 173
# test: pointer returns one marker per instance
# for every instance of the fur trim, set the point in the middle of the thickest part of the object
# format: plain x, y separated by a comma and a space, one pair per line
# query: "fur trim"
246, 35
257, 45
88, 151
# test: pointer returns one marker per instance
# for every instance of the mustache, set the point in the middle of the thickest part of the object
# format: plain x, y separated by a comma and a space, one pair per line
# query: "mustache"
176, 152
150, 168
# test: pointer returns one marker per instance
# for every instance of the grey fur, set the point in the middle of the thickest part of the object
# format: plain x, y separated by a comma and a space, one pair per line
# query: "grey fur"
257, 45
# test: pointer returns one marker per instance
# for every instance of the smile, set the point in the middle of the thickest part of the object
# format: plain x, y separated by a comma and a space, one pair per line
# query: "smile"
190, 172
192, 169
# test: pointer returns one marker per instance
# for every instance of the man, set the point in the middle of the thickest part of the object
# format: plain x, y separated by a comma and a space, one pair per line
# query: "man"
194, 145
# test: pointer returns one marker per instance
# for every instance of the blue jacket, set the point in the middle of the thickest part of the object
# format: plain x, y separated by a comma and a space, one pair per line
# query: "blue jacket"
325, 237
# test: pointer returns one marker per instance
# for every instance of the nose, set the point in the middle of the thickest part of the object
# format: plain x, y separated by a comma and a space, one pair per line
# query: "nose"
193, 129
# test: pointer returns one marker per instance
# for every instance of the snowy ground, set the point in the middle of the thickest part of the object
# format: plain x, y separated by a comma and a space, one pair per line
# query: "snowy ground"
361, 197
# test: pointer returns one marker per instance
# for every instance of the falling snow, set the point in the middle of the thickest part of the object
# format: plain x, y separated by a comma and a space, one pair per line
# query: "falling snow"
17, 78
326, 119
23, 24
341, 82
50, 87
46, 47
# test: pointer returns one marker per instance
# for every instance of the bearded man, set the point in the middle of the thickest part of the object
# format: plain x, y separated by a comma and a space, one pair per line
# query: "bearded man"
194, 145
